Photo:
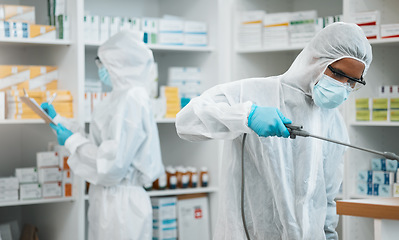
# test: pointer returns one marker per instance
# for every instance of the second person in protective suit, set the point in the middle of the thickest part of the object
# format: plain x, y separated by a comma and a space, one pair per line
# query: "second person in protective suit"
290, 184
122, 152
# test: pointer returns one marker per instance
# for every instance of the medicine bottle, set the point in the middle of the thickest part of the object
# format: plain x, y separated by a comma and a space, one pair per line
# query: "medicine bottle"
204, 177
193, 178
185, 178
148, 186
180, 175
171, 177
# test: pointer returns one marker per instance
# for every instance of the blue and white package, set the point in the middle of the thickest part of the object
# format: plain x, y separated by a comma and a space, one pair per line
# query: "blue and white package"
386, 178
365, 176
392, 165
378, 164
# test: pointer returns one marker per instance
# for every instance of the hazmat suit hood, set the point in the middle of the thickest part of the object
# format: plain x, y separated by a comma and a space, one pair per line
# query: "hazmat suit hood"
128, 59
336, 41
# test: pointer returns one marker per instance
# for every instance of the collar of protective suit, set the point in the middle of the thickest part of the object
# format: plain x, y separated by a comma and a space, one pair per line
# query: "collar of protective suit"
336, 41
128, 59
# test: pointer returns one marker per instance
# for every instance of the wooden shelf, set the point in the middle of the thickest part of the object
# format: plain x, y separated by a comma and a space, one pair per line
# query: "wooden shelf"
32, 41
38, 201
381, 208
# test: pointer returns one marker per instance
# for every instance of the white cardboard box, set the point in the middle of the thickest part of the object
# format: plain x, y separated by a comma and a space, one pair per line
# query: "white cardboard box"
52, 190
47, 159
30, 191
26, 175
8, 195
53, 174
193, 216
9, 183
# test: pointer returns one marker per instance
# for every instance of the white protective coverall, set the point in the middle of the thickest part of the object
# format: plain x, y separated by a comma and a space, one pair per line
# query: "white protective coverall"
290, 183
123, 151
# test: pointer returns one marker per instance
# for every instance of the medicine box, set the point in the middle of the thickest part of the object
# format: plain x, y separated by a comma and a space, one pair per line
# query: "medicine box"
17, 13
369, 22
386, 178
363, 103
67, 176
394, 103
8, 195
26, 175
365, 176
389, 30
396, 190
30, 191
379, 115
63, 155
47, 159
53, 174
394, 115
195, 27
150, 28
363, 115
9, 183
382, 190
193, 215
364, 188
171, 26
104, 28
380, 103
52, 190
392, 165
164, 208
67, 189
42, 32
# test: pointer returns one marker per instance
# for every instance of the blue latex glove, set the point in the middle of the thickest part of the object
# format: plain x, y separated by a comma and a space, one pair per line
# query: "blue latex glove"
49, 109
268, 121
62, 133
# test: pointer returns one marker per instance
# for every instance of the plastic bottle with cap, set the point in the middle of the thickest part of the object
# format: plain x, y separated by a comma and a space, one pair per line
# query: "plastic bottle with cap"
171, 177
204, 177
185, 178
194, 178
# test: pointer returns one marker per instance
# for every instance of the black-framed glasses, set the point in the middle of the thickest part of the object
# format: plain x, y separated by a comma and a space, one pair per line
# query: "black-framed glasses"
335, 71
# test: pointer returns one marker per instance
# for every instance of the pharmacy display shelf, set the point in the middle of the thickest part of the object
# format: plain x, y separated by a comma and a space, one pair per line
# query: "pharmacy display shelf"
21, 121
38, 201
163, 120
154, 47
161, 193
34, 42
387, 41
166, 120
358, 196
274, 49
375, 124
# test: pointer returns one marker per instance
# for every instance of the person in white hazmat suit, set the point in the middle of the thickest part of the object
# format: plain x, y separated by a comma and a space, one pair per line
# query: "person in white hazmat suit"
290, 183
122, 152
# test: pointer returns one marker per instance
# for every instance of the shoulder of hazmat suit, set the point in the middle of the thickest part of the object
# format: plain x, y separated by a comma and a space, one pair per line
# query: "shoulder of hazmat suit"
122, 152
290, 183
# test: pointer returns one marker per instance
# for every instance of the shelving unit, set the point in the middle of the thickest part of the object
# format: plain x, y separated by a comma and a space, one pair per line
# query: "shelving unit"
220, 62
29, 41
376, 135
38, 201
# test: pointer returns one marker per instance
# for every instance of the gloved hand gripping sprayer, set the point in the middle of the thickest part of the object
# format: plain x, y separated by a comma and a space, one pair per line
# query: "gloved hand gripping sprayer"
295, 131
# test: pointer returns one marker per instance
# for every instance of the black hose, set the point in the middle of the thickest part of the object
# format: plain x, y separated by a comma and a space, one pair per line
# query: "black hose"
242, 187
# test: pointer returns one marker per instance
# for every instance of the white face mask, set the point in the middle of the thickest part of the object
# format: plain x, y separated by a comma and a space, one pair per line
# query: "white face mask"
330, 93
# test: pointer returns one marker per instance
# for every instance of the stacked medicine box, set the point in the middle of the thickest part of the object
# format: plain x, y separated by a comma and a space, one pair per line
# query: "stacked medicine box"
379, 180
17, 21
164, 218
188, 80
51, 178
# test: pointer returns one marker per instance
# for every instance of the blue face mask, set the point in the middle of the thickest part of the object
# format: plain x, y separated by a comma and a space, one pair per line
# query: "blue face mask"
330, 93
104, 76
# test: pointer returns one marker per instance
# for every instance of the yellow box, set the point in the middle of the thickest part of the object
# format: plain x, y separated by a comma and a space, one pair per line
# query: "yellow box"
380, 103
362, 103
394, 115
394, 103
380, 115
362, 115
11, 75
42, 32
18, 13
